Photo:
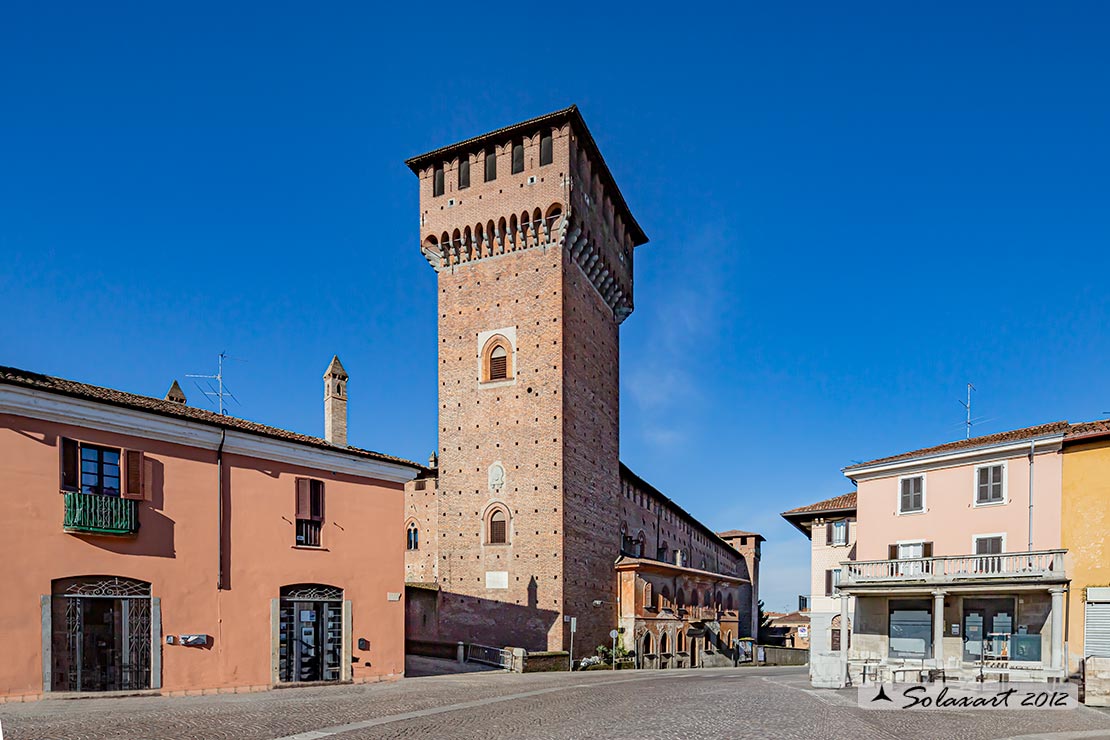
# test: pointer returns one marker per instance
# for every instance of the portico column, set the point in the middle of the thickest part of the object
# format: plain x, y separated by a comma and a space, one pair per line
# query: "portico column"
844, 625
1057, 649
938, 627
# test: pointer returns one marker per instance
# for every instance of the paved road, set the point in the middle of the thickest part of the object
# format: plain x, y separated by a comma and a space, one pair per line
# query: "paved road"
718, 703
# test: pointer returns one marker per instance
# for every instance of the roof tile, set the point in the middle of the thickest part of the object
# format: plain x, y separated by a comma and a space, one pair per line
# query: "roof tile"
48, 383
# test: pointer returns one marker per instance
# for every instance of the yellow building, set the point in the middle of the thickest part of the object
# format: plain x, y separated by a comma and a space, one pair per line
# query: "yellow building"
1085, 524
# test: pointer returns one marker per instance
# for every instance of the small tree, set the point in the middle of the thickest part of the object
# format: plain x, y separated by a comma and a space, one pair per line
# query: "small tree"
764, 623
606, 653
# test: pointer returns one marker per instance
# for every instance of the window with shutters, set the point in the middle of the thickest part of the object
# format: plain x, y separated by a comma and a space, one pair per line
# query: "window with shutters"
989, 544
309, 512
547, 156
497, 527
464, 172
518, 157
497, 360
101, 486
911, 498
832, 582
437, 182
649, 600
990, 484
100, 470
491, 165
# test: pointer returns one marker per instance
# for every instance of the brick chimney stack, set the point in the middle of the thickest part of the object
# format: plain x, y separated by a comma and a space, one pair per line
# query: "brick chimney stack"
335, 403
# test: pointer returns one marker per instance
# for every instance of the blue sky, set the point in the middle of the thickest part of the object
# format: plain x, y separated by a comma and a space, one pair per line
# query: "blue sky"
854, 209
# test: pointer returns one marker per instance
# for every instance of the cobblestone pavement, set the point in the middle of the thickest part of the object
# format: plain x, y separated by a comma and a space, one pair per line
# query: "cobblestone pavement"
710, 703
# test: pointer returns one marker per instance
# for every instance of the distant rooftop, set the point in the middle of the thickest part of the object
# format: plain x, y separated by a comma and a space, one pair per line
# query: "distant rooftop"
803, 516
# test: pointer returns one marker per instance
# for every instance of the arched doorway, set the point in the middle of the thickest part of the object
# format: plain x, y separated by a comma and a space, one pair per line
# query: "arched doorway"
101, 634
310, 633
663, 650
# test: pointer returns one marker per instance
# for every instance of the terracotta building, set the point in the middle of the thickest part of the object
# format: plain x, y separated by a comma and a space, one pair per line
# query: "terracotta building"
519, 530
155, 546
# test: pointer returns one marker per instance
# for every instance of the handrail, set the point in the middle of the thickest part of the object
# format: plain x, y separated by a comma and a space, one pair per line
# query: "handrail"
1037, 564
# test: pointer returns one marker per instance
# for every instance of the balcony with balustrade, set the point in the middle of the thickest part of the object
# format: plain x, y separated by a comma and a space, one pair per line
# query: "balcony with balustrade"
1037, 566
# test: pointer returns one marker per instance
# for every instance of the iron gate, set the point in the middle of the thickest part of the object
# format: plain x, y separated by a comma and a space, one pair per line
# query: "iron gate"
489, 655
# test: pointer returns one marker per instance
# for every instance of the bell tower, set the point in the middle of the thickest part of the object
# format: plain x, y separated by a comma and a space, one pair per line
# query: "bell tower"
532, 246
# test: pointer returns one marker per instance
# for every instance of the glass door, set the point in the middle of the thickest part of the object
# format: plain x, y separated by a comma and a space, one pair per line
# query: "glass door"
310, 634
988, 627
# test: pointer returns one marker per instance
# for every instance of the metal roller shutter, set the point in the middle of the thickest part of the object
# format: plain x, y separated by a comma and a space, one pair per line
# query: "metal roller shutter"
1096, 623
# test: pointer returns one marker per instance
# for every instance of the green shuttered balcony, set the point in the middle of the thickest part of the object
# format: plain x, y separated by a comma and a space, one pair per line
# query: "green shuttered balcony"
92, 513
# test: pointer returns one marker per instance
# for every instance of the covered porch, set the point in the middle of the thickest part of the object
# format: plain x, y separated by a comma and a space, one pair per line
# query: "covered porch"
954, 618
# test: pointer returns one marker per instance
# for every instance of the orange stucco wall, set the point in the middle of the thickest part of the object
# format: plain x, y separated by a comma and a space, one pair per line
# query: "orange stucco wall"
176, 550
1086, 523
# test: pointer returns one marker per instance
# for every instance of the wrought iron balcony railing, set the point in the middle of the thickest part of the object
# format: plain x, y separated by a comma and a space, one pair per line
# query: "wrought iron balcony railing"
96, 514
1042, 565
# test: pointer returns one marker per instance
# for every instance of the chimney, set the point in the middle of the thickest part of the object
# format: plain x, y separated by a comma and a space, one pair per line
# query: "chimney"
335, 403
175, 394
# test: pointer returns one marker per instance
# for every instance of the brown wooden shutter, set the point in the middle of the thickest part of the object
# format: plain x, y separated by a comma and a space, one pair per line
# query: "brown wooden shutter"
892, 552
498, 368
133, 472
926, 549
829, 533
303, 499
71, 465
828, 583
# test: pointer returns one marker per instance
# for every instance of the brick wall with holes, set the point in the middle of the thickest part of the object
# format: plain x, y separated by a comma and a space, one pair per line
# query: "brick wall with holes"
504, 594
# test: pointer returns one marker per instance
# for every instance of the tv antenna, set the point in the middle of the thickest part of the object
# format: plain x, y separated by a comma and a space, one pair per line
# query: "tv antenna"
967, 406
219, 391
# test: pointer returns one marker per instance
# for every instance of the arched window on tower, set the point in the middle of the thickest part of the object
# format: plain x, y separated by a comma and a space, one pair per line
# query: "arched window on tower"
498, 363
437, 182
464, 171
498, 527
546, 153
497, 360
491, 164
412, 537
518, 157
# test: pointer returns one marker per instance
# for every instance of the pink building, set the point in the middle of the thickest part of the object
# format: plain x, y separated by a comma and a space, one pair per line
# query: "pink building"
958, 564
155, 546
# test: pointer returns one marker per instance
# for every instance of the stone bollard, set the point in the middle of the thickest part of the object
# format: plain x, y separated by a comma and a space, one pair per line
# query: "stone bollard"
520, 655
460, 653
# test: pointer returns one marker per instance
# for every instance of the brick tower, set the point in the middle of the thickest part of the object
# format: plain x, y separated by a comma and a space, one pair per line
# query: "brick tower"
532, 244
